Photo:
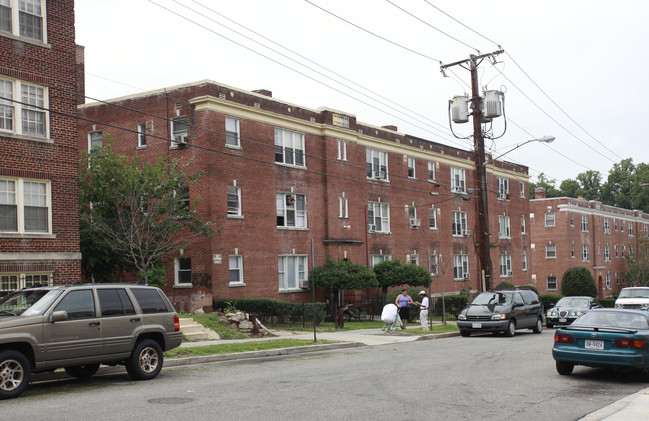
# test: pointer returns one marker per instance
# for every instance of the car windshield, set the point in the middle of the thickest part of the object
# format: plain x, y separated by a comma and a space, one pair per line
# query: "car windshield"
31, 302
573, 302
634, 293
613, 319
492, 298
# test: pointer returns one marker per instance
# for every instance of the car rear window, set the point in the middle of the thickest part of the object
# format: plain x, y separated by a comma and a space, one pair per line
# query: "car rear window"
115, 302
149, 300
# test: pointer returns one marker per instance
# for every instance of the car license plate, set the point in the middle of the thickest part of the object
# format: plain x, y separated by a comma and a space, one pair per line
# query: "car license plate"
476, 325
590, 344
563, 320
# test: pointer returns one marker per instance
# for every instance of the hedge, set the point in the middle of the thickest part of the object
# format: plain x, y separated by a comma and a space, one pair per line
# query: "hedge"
268, 308
549, 300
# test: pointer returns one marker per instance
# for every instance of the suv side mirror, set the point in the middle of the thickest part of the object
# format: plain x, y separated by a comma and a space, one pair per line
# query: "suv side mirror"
59, 316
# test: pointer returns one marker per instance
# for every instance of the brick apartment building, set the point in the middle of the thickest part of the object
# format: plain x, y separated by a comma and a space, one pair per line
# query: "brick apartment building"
568, 232
279, 177
39, 216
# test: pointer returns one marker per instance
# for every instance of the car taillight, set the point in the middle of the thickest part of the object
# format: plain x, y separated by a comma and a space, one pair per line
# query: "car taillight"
564, 339
176, 324
630, 343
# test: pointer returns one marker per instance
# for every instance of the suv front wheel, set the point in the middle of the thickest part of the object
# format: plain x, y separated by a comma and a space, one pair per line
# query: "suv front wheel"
15, 372
145, 361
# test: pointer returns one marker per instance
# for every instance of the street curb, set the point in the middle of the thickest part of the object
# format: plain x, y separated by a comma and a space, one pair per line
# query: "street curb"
438, 336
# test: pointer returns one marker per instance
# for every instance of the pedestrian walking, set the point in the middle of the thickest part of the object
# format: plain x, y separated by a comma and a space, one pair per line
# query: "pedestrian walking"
423, 309
403, 301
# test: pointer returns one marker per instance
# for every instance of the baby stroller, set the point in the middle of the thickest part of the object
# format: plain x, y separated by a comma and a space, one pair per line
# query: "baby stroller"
390, 316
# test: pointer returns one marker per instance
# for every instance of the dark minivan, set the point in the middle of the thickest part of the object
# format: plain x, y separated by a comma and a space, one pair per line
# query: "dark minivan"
502, 312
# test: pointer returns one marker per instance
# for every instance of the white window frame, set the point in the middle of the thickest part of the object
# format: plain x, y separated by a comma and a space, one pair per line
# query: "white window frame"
414, 259
505, 266
175, 131
503, 188
235, 264
551, 280
523, 227
585, 253
607, 226
607, 253
434, 265
411, 167
504, 227
16, 29
432, 218
178, 270
378, 258
630, 229
20, 280
341, 149
522, 189
459, 223
607, 280
286, 206
378, 215
141, 135
572, 219
431, 171
232, 133
572, 250
550, 251
376, 164
20, 107
291, 265
17, 196
289, 148
343, 207
460, 267
458, 180
550, 220
234, 192
524, 262
584, 223
95, 140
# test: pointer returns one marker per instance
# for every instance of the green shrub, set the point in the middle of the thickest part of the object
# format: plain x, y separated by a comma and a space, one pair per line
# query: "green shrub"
414, 294
530, 287
504, 285
548, 300
453, 303
607, 302
269, 308
578, 281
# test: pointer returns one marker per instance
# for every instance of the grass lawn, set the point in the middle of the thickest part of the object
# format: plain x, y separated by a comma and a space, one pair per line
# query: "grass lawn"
199, 351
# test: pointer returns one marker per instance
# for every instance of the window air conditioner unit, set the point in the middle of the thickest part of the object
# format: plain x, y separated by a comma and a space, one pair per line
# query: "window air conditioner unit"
372, 227
466, 232
414, 222
304, 284
379, 174
510, 273
466, 275
180, 139
607, 231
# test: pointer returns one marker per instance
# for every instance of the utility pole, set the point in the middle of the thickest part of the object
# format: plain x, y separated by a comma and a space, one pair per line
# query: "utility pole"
484, 253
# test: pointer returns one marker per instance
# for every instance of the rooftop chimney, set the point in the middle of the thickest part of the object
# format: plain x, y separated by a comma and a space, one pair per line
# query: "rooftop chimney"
390, 127
264, 92
539, 193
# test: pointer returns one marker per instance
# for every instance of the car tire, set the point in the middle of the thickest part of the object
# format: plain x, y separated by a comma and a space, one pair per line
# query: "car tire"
539, 326
82, 371
15, 373
565, 368
465, 333
145, 361
549, 325
511, 329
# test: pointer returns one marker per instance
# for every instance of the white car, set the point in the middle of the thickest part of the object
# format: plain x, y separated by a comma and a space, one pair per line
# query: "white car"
633, 298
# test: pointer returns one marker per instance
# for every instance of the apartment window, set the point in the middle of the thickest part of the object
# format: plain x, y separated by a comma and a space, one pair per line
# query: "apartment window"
630, 252
646, 229
460, 266
29, 14
95, 141
291, 210
411, 167
584, 223
341, 150
522, 190
31, 108
630, 228
623, 251
434, 265
505, 265
615, 223
5, 15
291, 270
178, 131
234, 201
289, 147
607, 226
459, 223
412, 214
376, 163
432, 217
378, 215
458, 180
617, 278
523, 229
232, 134
236, 270
504, 230
11, 282
24, 206
431, 171
585, 253
615, 247
141, 135
524, 262
183, 270
551, 282
343, 207
550, 251
182, 194
414, 259
375, 259
607, 253
607, 281
572, 219
549, 220
572, 250
503, 188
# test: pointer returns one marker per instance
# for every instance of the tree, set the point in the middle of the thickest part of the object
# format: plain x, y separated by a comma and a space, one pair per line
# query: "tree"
394, 272
638, 264
543, 181
590, 183
640, 189
342, 274
617, 189
504, 285
578, 281
135, 215
569, 188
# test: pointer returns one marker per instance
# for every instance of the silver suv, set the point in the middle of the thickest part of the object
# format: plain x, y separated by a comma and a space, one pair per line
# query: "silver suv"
81, 326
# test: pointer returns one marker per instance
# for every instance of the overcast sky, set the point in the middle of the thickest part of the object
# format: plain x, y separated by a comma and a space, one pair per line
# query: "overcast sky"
576, 70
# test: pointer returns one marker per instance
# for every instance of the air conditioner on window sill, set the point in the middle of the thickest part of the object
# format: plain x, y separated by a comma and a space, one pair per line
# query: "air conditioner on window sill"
372, 227
181, 140
510, 273
466, 276
380, 175
466, 232
414, 222
303, 284
607, 231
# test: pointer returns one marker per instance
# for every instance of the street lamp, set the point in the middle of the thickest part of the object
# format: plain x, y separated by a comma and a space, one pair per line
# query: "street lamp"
544, 139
